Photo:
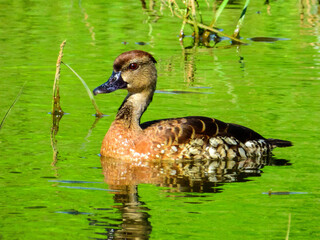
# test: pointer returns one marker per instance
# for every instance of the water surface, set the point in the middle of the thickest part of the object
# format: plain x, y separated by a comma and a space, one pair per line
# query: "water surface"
271, 85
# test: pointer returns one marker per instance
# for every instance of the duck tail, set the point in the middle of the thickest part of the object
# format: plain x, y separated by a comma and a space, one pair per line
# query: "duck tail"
279, 143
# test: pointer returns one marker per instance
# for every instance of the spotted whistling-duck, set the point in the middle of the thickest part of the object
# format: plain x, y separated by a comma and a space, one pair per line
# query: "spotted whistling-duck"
176, 138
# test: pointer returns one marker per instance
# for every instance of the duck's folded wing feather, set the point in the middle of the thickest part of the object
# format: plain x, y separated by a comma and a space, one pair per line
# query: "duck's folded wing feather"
182, 130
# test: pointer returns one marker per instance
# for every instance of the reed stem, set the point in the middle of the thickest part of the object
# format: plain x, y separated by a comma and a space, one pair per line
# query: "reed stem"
194, 18
56, 107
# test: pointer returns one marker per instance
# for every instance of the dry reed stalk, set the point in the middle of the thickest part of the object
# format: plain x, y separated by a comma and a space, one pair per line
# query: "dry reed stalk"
185, 19
194, 18
54, 131
191, 19
57, 112
56, 108
217, 32
185, 16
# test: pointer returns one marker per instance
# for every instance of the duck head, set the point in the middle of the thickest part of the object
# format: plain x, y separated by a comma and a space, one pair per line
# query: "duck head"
134, 70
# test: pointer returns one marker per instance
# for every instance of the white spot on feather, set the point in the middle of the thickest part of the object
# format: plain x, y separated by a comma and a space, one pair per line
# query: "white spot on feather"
242, 153
211, 168
194, 151
174, 148
249, 144
230, 141
213, 153
223, 153
231, 153
197, 141
213, 142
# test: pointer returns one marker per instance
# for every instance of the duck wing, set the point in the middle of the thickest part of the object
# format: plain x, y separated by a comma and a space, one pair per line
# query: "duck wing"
183, 130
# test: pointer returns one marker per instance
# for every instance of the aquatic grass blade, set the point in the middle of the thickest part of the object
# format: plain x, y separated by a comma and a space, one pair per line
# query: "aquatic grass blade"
215, 19
98, 114
289, 225
219, 11
241, 19
12, 105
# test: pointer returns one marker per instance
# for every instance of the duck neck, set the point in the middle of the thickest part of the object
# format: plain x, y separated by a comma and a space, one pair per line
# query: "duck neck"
133, 107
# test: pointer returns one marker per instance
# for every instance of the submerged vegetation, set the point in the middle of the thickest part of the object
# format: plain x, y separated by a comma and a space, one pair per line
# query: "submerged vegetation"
189, 11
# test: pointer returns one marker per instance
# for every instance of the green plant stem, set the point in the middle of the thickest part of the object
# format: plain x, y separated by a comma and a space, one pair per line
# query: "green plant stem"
241, 19
216, 16
98, 114
289, 224
12, 105
218, 13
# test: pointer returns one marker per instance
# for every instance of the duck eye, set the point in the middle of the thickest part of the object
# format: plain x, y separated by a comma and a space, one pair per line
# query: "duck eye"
133, 66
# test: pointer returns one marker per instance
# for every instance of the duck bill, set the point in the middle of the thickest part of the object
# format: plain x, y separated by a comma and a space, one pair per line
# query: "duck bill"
114, 83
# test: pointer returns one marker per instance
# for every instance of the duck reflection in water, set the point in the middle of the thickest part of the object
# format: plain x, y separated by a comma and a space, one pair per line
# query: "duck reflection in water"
184, 176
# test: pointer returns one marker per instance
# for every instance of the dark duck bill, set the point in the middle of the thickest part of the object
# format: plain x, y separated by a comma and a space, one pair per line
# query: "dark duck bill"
114, 83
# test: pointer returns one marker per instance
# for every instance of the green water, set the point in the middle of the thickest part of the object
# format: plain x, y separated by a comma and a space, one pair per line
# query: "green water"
272, 87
